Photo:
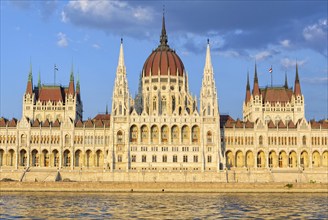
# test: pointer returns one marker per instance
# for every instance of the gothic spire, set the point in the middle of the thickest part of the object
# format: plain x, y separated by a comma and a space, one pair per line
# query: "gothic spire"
297, 86
121, 55
256, 89
248, 89
29, 86
72, 73
163, 38
39, 80
286, 82
208, 62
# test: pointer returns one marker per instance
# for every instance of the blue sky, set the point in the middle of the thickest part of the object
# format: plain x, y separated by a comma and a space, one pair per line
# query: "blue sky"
87, 34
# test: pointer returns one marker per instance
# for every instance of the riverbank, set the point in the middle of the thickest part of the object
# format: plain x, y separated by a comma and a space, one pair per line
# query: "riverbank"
108, 187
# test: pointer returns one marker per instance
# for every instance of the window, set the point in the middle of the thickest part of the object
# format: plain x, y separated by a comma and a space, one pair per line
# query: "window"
175, 158
119, 158
164, 159
163, 106
209, 159
144, 158
195, 159
134, 158
154, 104
119, 137
304, 140
261, 140
154, 159
209, 137
185, 158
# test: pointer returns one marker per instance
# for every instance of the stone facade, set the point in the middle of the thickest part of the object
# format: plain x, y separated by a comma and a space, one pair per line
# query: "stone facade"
162, 129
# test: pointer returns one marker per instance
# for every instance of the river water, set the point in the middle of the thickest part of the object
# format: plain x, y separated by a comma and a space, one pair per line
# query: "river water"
164, 205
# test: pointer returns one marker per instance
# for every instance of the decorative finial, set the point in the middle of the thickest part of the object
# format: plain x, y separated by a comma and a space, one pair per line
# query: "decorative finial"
208, 41
121, 40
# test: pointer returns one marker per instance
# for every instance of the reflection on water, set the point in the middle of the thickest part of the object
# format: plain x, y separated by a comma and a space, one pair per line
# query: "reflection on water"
163, 205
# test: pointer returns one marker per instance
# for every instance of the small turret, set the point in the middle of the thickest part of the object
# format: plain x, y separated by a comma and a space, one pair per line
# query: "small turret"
248, 90
29, 87
71, 89
297, 86
286, 82
256, 89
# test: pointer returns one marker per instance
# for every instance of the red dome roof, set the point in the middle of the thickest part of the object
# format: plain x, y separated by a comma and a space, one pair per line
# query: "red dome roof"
163, 61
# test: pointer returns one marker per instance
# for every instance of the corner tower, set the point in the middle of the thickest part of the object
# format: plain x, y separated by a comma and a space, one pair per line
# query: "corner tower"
209, 111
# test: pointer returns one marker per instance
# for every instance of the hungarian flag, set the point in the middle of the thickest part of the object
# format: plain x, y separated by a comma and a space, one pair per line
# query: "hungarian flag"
270, 70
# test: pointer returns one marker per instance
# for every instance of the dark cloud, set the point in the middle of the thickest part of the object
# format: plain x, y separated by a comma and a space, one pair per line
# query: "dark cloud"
242, 25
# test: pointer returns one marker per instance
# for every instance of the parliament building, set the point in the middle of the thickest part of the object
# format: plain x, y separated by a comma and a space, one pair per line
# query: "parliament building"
163, 128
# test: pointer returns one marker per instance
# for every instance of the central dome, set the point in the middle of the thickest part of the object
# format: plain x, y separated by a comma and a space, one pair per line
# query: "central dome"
163, 61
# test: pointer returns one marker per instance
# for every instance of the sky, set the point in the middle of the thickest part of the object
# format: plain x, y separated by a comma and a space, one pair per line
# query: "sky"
86, 35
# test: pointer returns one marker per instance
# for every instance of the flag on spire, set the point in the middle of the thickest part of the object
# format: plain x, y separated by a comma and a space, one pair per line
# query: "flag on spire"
270, 70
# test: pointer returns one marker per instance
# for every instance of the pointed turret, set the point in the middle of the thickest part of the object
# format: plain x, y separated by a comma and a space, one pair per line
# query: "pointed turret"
121, 55
120, 91
208, 61
256, 89
71, 89
29, 87
208, 98
39, 81
286, 82
78, 85
297, 86
248, 90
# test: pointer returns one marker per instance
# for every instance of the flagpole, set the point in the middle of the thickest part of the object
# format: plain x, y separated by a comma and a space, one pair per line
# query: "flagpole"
271, 76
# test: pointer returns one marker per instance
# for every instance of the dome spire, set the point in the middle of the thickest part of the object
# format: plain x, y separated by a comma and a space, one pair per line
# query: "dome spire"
163, 38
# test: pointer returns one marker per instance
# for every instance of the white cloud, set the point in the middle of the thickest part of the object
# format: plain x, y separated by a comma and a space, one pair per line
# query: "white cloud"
287, 63
285, 43
263, 55
96, 46
64, 18
316, 31
316, 80
62, 40
103, 12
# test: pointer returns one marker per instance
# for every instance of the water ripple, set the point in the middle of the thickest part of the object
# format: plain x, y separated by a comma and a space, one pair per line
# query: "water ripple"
163, 206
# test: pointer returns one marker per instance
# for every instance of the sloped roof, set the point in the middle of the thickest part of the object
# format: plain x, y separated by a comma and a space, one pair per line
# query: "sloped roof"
12, 122
271, 124
52, 93
102, 117
98, 124
281, 124
239, 124
36, 123
56, 123
46, 123
79, 124
3, 122
315, 124
249, 124
276, 94
291, 124
88, 123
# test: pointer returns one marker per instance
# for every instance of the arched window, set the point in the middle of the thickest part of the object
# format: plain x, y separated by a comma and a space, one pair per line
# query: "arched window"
23, 140
119, 137
208, 109
133, 133
144, 158
144, 134
195, 134
67, 140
